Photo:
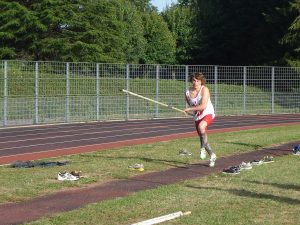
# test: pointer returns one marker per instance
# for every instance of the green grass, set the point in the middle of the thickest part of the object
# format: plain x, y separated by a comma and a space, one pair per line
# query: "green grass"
264, 195
268, 194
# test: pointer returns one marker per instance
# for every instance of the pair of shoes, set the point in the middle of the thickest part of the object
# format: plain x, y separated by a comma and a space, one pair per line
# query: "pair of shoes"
232, 170
268, 159
202, 153
184, 152
137, 166
245, 166
62, 176
256, 162
212, 160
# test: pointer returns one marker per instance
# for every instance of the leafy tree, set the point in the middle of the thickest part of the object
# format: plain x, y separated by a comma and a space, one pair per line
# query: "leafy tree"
143, 5
239, 32
160, 42
133, 33
292, 37
19, 28
178, 18
80, 31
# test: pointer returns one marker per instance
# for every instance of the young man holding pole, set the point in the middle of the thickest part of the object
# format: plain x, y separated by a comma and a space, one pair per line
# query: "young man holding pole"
198, 99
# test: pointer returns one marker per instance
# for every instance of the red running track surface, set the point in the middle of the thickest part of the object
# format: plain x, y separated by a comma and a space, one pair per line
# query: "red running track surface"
37, 142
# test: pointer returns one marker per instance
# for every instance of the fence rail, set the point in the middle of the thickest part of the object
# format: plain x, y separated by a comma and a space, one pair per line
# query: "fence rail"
64, 92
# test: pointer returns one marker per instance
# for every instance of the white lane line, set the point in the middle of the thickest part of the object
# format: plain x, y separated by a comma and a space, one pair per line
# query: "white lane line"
67, 130
91, 145
89, 139
69, 135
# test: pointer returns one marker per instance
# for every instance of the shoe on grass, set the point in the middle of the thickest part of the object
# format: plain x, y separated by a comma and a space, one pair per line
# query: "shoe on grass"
245, 166
233, 170
256, 162
184, 152
137, 166
63, 176
268, 159
296, 150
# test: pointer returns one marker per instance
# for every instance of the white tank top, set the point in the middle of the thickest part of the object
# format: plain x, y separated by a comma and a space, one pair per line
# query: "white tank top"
198, 115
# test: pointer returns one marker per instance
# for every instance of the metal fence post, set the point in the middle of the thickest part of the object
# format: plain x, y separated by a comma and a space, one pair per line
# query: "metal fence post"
97, 93
216, 87
273, 88
67, 112
186, 81
5, 95
244, 86
156, 90
36, 94
127, 96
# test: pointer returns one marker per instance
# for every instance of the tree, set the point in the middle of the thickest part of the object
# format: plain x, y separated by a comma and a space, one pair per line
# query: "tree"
80, 31
19, 28
178, 18
239, 32
160, 41
133, 33
292, 37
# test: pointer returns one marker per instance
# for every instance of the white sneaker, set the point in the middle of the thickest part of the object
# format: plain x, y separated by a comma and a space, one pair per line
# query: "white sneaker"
202, 153
245, 166
137, 166
62, 176
212, 160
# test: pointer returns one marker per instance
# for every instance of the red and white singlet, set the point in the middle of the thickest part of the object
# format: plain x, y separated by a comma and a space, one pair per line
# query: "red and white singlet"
198, 115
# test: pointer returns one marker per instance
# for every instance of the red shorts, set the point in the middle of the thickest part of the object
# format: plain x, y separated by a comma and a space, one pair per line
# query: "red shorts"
208, 119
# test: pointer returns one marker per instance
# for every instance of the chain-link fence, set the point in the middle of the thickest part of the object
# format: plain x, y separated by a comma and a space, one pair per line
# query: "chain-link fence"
60, 92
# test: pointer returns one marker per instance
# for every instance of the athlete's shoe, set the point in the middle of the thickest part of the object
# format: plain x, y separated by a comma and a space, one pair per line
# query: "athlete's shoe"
268, 159
245, 166
62, 176
184, 152
296, 150
256, 162
202, 153
212, 160
232, 170
76, 173
137, 166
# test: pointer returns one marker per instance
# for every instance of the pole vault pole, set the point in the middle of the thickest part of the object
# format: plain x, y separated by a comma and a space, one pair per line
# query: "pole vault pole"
164, 218
154, 101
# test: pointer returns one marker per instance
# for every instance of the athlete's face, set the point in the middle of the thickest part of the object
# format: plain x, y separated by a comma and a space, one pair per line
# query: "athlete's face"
196, 82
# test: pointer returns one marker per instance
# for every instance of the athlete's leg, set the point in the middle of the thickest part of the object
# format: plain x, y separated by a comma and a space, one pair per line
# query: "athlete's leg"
203, 136
202, 127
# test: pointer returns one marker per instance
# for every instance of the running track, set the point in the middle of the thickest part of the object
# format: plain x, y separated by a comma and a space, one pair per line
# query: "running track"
37, 142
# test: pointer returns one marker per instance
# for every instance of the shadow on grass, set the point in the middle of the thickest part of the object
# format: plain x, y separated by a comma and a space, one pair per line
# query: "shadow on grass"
173, 163
252, 146
283, 186
245, 193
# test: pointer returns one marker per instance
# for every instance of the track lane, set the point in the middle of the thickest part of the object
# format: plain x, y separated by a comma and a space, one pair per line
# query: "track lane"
34, 142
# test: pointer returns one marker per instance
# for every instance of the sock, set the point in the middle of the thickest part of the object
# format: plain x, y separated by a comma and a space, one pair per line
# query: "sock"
208, 149
202, 141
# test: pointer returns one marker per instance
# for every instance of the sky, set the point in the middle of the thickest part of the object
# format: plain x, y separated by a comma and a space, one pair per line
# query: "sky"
161, 4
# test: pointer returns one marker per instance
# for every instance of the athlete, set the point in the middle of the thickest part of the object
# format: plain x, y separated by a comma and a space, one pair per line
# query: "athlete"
198, 99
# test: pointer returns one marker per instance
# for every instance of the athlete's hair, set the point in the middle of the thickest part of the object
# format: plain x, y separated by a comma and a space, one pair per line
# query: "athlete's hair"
198, 76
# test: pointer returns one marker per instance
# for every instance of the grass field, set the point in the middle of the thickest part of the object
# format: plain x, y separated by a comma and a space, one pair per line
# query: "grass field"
267, 194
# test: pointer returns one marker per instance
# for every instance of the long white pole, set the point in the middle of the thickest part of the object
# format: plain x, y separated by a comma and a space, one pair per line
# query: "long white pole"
154, 101
160, 219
